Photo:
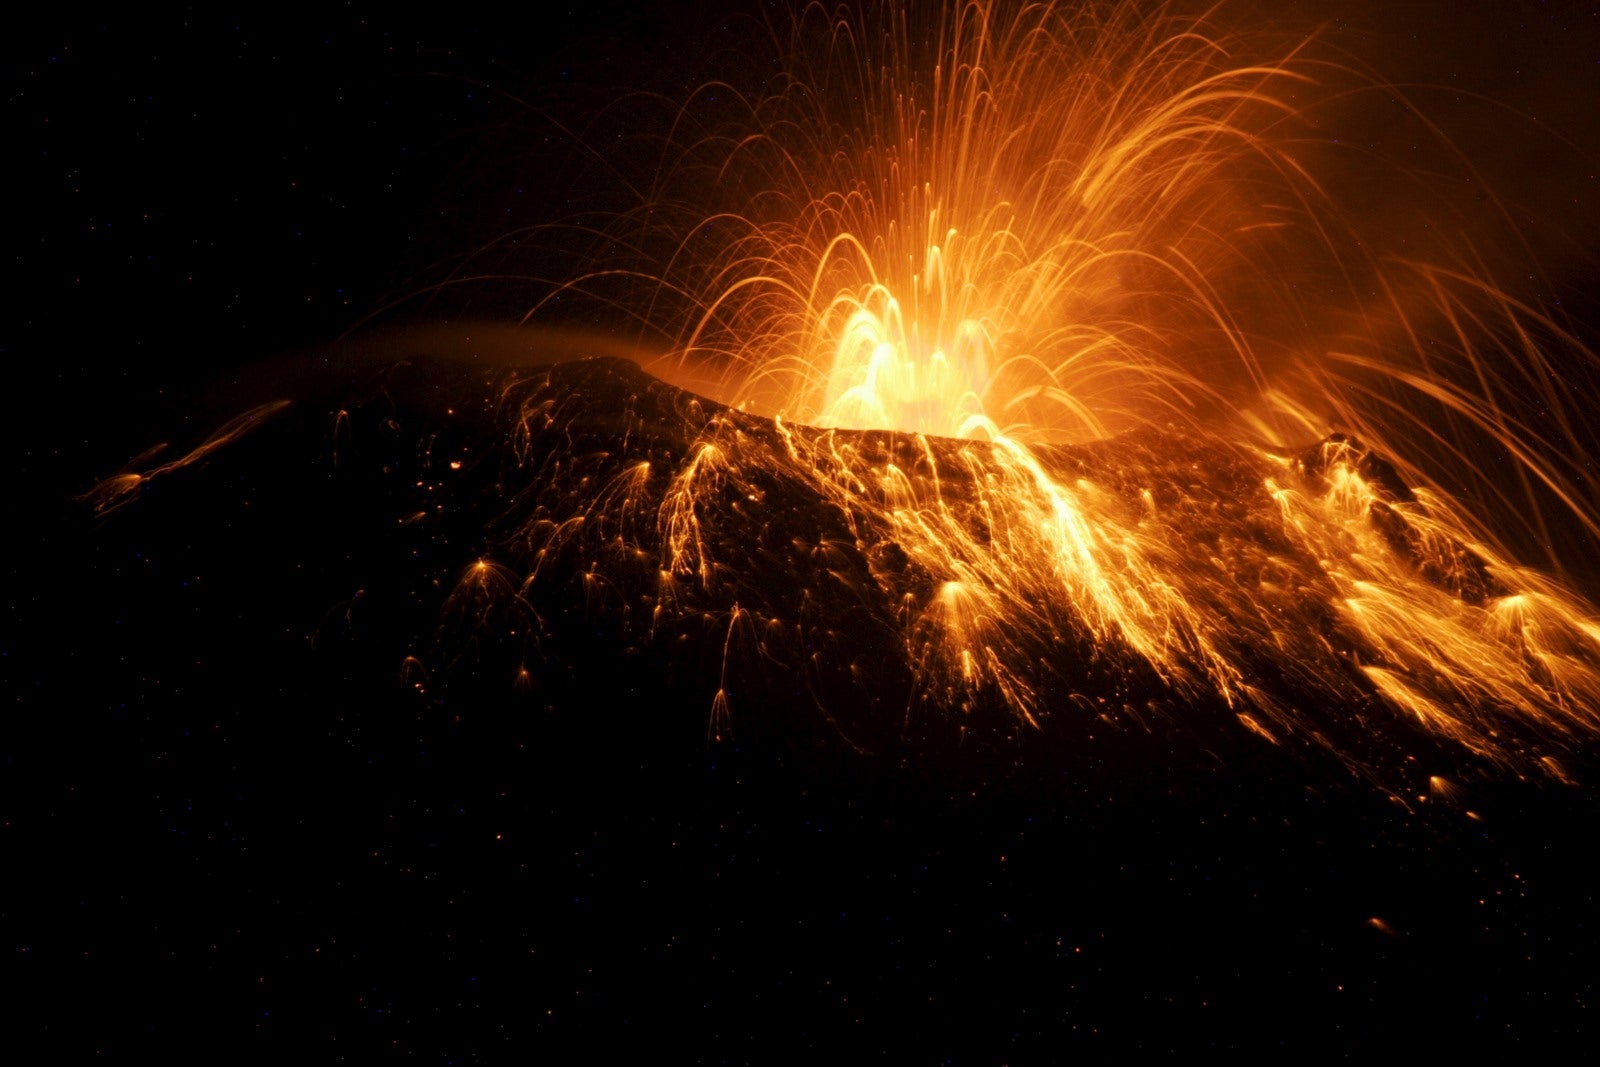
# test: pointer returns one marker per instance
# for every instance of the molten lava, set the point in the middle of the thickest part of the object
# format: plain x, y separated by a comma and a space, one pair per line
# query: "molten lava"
1046, 373
1310, 595
1012, 238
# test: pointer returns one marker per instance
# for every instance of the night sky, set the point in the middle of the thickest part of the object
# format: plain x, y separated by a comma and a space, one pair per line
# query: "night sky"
233, 821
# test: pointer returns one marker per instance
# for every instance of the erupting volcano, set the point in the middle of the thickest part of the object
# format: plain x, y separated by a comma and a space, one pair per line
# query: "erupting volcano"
1073, 375
1037, 332
929, 526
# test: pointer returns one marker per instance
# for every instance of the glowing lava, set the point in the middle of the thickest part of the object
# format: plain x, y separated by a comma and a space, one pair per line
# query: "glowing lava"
1148, 577
1049, 375
1040, 225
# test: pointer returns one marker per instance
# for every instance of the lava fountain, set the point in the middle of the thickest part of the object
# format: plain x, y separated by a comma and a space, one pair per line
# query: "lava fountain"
956, 249
1025, 359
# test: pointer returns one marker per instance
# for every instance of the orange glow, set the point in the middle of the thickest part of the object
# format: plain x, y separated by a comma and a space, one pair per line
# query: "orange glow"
1029, 229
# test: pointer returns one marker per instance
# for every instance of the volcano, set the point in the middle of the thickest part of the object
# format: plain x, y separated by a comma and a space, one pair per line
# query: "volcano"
408, 738
1092, 550
869, 580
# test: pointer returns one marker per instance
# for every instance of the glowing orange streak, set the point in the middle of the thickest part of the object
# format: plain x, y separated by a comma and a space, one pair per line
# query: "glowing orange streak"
112, 493
1466, 404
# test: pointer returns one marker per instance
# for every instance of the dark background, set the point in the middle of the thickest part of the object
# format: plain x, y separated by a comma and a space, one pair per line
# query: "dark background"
194, 190
225, 829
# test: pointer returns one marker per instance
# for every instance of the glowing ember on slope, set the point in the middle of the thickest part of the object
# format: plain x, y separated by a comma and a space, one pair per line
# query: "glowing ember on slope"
1057, 223
1147, 577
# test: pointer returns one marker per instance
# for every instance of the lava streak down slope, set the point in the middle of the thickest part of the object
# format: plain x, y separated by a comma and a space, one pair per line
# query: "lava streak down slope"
896, 591
908, 586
